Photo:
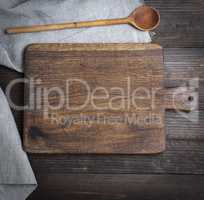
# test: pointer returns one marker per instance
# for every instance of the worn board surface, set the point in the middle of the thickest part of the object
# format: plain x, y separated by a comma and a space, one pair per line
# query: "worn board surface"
106, 124
184, 155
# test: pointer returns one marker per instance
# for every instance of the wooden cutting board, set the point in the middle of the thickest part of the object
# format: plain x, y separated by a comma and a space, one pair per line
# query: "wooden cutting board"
96, 98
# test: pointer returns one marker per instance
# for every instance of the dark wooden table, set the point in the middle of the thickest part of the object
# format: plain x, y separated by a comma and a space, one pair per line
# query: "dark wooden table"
176, 174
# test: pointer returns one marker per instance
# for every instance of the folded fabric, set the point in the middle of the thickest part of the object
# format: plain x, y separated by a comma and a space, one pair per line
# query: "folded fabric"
32, 12
16, 177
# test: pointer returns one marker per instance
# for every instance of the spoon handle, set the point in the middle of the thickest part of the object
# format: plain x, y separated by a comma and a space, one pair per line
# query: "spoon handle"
51, 27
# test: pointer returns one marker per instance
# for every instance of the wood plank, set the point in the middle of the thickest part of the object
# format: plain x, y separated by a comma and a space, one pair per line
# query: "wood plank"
185, 146
185, 66
181, 157
181, 65
123, 115
184, 63
181, 23
17, 93
117, 186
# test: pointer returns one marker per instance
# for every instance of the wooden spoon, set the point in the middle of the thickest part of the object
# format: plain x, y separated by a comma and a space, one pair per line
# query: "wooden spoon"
143, 18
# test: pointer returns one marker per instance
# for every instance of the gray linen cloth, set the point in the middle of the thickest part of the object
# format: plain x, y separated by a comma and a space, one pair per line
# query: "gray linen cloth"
16, 177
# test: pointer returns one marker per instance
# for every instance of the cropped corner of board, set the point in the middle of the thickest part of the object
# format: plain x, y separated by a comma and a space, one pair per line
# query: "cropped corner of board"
107, 66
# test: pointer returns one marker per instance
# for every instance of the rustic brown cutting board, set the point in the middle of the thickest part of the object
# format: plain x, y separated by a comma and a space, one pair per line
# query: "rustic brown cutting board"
96, 98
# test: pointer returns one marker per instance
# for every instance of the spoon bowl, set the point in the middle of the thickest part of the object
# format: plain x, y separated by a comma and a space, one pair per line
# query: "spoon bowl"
144, 18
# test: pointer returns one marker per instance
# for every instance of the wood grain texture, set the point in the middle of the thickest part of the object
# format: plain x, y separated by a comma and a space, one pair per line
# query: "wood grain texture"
181, 26
184, 154
181, 23
117, 186
100, 66
104, 66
